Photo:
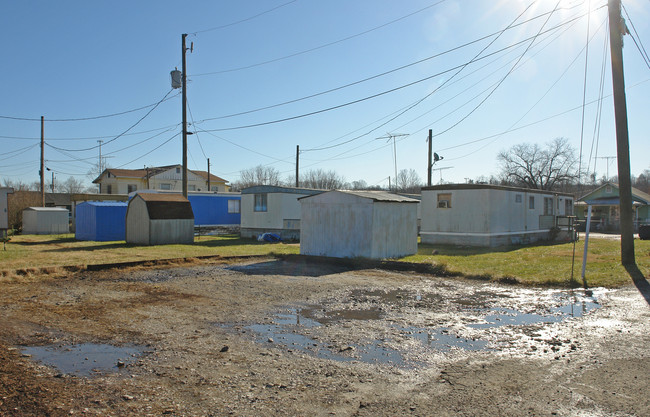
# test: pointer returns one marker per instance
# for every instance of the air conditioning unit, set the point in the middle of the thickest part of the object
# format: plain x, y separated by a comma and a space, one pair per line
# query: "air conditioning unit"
443, 204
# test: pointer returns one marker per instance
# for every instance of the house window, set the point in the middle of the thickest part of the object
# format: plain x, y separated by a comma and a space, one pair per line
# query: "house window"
131, 188
178, 170
260, 202
548, 206
233, 206
568, 207
517, 198
608, 189
214, 188
165, 186
444, 200
191, 187
531, 202
109, 189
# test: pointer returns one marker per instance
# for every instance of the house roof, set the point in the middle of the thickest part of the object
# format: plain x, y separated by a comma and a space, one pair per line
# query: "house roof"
153, 171
47, 209
592, 198
166, 206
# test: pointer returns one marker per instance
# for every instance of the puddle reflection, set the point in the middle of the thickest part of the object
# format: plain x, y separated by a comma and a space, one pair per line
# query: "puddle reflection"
84, 359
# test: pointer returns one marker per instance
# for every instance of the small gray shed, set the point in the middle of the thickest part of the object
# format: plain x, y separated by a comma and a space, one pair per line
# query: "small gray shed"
46, 221
159, 219
369, 224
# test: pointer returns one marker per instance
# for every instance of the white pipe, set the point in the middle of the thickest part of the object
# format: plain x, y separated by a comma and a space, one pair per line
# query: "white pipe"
584, 254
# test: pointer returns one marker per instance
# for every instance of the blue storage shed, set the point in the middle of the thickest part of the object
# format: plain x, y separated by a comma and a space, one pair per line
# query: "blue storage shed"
221, 209
101, 221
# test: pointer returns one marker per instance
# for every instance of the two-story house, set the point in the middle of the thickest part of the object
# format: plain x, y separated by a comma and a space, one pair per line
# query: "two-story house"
168, 178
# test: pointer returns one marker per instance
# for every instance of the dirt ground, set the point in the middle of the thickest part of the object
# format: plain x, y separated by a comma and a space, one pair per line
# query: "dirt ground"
272, 337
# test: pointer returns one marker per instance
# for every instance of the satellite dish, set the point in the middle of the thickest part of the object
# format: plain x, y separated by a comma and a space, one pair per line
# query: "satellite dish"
437, 157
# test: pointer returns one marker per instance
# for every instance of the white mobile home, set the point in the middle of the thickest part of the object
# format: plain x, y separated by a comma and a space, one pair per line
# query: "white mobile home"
369, 224
159, 219
489, 215
272, 209
46, 220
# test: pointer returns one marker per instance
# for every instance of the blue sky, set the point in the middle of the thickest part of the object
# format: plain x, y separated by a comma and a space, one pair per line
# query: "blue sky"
80, 60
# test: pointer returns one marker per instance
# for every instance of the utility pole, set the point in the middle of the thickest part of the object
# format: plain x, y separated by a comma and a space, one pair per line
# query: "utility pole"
607, 158
430, 163
100, 156
184, 104
392, 136
297, 165
42, 171
208, 174
616, 30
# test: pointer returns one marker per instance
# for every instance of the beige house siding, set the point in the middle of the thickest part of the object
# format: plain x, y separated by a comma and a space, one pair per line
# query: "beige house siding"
115, 181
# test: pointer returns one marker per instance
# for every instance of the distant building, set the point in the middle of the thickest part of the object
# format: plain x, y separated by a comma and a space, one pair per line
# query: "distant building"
605, 208
272, 209
491, 215
349, 224
166, 178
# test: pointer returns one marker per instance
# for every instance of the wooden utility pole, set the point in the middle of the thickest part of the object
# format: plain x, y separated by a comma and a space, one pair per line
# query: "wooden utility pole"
430, 164
42, 172
184, 104
297, 165
616, 31
208, 174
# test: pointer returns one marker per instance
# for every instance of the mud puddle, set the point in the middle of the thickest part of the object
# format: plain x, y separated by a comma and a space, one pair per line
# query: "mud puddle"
85, 359
305, 329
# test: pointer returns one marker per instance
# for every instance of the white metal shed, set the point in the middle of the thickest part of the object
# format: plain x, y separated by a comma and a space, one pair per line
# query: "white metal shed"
159, 219
46, 220
369, 224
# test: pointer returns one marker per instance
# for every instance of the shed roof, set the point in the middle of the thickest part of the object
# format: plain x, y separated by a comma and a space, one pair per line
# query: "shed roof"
104, 203
47, 209
167, 206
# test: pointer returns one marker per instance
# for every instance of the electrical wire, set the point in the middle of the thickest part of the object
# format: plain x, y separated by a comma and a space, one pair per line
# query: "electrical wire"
500, 82
320, 46
456, 48
121, 134
244, 20
154, 149
639, 45
49, 139
584, 98
79, 119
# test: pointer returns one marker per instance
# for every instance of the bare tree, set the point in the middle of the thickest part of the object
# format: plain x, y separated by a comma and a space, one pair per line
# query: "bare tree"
324, 180
532, 166
359, 185
71, 185
259, 175
408, 181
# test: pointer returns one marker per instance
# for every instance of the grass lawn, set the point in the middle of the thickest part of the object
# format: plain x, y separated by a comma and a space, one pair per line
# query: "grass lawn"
540, 265
42, 251
532, 265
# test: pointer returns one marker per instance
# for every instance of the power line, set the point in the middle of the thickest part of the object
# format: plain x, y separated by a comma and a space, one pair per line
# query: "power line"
320, 46
121, 134
456, 48
639, 45
243, 20
79, 119
154, 149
